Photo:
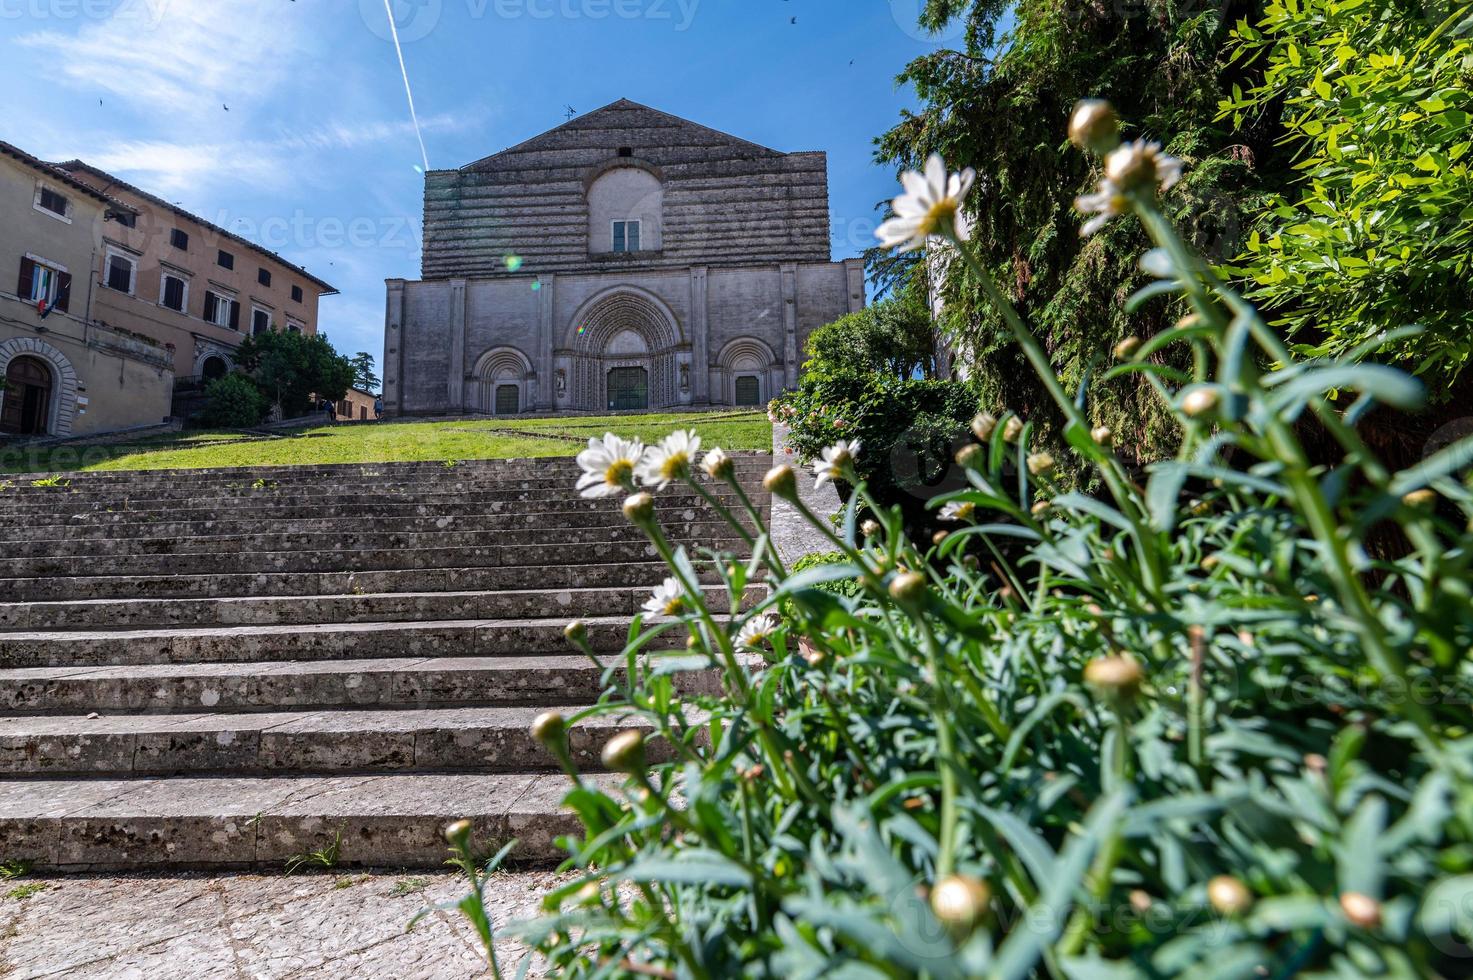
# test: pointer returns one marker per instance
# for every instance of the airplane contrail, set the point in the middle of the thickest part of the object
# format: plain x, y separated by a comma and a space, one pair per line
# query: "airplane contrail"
413, 116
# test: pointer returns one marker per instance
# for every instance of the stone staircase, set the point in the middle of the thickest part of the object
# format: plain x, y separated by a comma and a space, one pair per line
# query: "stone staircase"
228, 668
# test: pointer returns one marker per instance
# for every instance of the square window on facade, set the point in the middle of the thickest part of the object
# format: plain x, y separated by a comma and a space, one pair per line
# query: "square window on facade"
626, 236
179, 238
52, 201
222, 311
120, 271
263, 276
43, 286
260, 322
225, 260
172, 293
296, 294
125, 218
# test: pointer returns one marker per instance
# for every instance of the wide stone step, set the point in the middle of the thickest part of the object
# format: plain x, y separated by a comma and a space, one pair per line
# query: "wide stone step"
325, 641
481, 739
178, 823
115, 614
718, 535
267, 562
223, 584
404, 682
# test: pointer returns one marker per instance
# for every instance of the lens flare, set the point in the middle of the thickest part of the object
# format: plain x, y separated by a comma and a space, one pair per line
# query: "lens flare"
513, 263
537, 287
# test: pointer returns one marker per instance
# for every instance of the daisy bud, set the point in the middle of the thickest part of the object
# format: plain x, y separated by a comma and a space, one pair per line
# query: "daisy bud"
1103, 435
983, 426
870, 528
1363, 911
589, 894
624, 752
960, 903
640, 508
1200, 402
1229, 896
1420, 499
1114, 678
693, 642
1133, 166
1013, 429
1126, 349
718, 465
1094, 126
576, 632
1041, 464
550, 729
969, 456
938, 538
1140, 901
1041, 508
1316, 763
781, 481
458, 834
908, 587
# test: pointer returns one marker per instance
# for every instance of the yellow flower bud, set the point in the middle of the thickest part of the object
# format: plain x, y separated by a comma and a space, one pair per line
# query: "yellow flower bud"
1041, 508
458, 833
938, 537
1201, 401
1103, 435
1229, 896
1115, 678
576, 632
1126, 349
908, 587
1363, 911
550, 729
870, 528
639, 508
781, 481
625, 752
1420, 499
983, 426
1094, 126
1041, 464
960, 903
970, 456
1013, 429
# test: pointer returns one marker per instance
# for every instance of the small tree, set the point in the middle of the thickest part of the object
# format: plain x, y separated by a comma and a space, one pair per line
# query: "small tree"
895, 337
293, 369
365, 378
233, 402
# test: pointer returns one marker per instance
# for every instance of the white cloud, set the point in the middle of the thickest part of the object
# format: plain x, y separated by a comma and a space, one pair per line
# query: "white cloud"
184, 58
167, 169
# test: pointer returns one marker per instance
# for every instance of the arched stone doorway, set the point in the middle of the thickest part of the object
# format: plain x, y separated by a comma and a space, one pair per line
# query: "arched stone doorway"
748, 373
627, 353
214, 368
28, 393
501, 382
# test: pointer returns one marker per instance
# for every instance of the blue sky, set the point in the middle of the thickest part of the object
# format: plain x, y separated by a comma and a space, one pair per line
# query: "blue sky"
316, 157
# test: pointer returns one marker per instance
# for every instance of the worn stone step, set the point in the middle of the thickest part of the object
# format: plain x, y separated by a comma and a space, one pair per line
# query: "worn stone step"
308, 583
482, 739
718, 535
322, 641
179, 823
403, 682
530, 552
115, 614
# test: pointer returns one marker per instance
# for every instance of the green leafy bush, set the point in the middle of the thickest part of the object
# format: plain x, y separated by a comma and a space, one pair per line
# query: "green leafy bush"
1377, 233
233, 402
894, 337
1196, 731
296, 370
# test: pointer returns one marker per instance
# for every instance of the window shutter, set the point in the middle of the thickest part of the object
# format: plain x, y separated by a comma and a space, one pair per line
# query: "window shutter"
210, 302
234, 314
64, 292
27, 279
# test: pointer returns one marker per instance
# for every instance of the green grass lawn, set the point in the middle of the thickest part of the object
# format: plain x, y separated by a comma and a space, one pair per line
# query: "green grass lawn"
471, 438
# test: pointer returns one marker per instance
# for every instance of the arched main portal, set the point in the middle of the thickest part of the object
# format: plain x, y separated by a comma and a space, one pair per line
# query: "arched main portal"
626, 350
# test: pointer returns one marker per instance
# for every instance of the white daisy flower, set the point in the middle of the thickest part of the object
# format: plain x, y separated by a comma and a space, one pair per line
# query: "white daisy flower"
838, 461
608, 465
670, 460
1129, 167
958, 510
717, 464
929, 208
667, 600
757, 631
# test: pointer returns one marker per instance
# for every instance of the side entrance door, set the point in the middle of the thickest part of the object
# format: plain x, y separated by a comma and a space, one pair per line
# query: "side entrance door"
629, 389
27, 397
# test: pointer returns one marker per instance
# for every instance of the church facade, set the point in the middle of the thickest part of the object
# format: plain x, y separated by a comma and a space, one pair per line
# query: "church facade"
627, 260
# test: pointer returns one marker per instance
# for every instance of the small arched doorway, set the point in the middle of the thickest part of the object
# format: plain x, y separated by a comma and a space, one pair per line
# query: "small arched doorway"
214, 368
26, 409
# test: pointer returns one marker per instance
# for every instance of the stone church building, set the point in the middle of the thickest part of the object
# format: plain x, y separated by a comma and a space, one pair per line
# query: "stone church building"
626, 260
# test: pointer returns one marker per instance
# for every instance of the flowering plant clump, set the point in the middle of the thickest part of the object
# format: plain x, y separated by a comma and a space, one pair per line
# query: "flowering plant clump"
1194, 730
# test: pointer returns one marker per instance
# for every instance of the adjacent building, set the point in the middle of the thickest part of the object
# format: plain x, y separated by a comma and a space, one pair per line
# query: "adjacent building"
629, 259
64, 373
190, 284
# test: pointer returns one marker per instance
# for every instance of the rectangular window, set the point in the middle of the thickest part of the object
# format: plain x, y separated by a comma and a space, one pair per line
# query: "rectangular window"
260, 322
263, 276
626, 236
225, 260
174, 293
120, 272
43, 286
125, 218
296, 294
179, 239
222, 311
52, 201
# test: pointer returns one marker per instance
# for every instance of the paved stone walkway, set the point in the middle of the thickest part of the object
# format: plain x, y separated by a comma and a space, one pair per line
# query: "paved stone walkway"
794, 536
253, 927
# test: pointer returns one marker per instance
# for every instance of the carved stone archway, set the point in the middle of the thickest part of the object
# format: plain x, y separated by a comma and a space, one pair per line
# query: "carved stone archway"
626, 327
497, 369
63, 407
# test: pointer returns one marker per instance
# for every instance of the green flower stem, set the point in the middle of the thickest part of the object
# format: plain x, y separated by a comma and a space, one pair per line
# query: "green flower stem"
721, 509
946, 757
774, 562
1102, 869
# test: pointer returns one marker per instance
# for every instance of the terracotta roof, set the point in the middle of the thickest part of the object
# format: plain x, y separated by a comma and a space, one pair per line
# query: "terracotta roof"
76, 165
57, 173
